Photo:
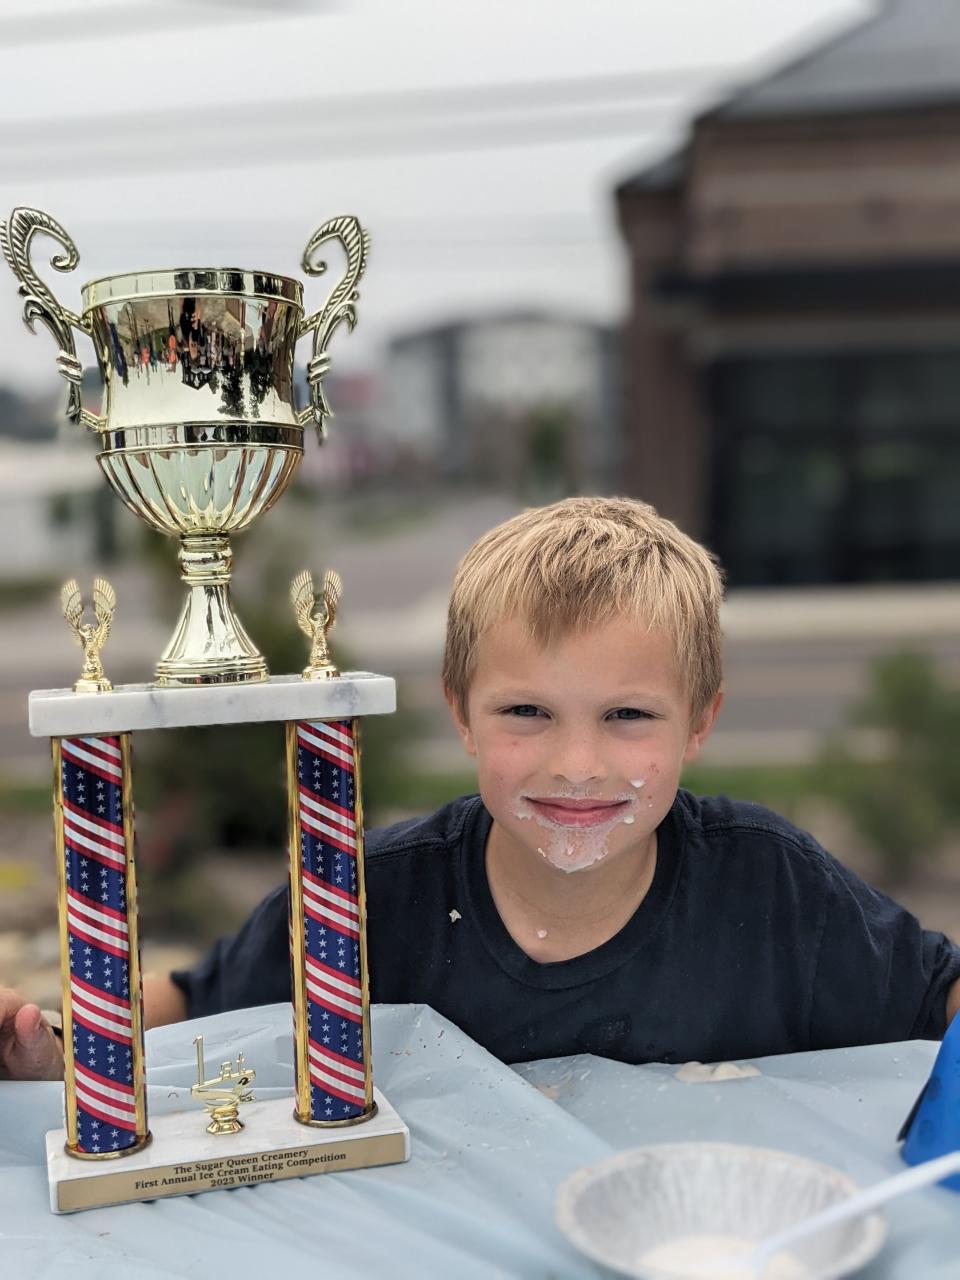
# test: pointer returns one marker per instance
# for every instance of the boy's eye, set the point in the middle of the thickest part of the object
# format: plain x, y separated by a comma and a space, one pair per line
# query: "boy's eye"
523, 709
629, 713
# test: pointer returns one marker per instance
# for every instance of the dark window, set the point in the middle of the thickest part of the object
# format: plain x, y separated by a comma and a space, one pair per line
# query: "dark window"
837, 468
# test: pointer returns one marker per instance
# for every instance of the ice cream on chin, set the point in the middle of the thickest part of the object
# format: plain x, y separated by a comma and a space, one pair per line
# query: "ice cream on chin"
578, 829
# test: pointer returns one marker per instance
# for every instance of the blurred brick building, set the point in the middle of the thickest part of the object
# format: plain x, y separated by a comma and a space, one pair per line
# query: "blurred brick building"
792, 360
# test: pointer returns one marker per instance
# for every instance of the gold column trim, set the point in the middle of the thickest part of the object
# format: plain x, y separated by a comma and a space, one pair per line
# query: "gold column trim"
362, 911
133, 942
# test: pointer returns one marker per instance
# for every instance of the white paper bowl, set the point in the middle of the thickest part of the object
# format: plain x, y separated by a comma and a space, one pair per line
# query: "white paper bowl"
618, 1209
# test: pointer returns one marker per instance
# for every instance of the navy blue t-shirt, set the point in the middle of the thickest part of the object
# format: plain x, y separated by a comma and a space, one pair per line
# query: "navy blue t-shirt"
751, 940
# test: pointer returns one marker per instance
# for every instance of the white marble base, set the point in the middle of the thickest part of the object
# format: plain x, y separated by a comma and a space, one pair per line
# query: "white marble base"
183, 1159
61, 713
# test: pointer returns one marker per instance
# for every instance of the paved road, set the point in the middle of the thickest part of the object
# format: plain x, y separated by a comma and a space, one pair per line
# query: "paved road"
794, 661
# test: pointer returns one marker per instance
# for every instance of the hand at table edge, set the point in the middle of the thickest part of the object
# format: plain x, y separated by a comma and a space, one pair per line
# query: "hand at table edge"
29, 1050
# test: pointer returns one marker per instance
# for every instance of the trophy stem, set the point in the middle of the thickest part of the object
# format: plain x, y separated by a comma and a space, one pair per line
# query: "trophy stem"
209, 645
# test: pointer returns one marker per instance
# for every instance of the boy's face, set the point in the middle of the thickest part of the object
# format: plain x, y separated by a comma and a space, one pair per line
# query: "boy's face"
580, 745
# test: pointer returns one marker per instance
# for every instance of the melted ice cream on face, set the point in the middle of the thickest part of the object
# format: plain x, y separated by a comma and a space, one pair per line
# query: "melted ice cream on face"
573, 848
695, 1256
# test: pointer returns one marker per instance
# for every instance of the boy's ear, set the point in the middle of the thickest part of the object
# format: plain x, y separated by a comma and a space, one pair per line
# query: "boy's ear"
462, 727
700, 732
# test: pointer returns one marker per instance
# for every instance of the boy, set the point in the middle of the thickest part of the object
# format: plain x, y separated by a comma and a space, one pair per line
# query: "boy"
582, 903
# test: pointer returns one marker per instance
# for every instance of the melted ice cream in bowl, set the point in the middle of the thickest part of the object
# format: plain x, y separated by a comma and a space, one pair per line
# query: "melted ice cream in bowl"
677, 1211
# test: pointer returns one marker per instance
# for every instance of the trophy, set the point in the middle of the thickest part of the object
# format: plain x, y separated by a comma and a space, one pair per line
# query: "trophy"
199, 433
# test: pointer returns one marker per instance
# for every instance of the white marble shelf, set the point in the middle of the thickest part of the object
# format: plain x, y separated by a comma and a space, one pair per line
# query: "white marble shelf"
60, 713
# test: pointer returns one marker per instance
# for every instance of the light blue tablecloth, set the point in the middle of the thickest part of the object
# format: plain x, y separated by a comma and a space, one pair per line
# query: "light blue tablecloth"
489, 1150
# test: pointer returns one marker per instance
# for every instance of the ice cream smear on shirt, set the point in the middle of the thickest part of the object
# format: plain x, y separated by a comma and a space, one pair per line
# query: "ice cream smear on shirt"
578, 827
694, 1256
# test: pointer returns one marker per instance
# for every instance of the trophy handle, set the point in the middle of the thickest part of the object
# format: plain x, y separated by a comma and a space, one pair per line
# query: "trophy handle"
16, 236
340, 306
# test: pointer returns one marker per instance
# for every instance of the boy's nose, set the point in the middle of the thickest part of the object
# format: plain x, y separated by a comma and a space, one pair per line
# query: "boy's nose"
576, 761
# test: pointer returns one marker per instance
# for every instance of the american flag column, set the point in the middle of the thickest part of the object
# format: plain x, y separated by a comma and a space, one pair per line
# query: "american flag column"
105, 1086
331, 993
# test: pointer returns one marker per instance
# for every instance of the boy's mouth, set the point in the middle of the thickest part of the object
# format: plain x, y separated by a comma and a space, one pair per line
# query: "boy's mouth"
576, 813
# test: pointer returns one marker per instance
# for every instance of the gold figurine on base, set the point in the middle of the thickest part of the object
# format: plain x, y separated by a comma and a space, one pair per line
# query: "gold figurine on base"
317, 625
223, 1094
92, 636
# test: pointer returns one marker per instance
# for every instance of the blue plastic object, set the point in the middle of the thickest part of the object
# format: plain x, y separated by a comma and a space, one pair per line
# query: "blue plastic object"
933, 1126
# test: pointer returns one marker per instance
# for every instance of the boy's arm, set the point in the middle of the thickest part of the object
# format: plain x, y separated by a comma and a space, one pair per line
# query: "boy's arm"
953, 1001
250, 968
879, 976
163, 1001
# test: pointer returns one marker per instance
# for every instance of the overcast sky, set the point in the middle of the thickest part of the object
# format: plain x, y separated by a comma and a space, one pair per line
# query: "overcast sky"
220, 132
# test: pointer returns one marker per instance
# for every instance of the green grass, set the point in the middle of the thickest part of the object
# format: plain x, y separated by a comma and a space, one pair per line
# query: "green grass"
15, 594
26, 797
376, 520
364, 517
778, 786
417, 793
15, 875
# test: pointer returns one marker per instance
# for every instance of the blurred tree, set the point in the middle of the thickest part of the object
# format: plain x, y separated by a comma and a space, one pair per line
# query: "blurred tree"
548, 470
906, 804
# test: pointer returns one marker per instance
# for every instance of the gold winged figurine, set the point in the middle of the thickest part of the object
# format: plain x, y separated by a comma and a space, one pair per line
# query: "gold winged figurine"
90, 635
317, 624
223, 1094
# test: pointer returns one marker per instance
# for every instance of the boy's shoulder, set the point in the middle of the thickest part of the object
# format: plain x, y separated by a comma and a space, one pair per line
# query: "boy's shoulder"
739, 827
435, 833
746, 849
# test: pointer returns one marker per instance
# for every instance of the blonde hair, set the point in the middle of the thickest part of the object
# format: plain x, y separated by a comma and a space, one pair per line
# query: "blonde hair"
581, 562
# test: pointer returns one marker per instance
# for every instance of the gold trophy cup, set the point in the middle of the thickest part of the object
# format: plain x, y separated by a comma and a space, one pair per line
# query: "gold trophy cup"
199, 429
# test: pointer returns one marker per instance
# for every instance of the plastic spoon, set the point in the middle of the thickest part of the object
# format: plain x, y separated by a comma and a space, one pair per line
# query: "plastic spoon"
756, 1258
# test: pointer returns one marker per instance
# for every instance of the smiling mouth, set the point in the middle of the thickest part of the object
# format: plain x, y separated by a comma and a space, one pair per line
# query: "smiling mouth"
576, 813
